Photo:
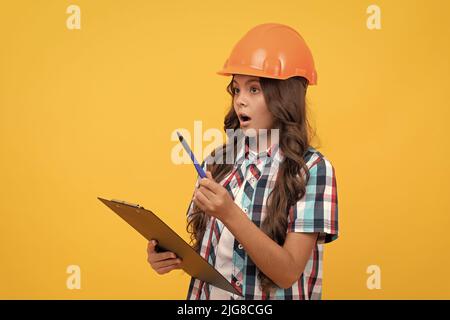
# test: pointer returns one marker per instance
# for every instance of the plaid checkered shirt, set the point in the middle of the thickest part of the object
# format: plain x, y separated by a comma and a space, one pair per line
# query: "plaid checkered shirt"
249, 183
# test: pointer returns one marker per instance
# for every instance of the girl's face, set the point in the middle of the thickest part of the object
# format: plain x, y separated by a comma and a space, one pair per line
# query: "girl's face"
249, 104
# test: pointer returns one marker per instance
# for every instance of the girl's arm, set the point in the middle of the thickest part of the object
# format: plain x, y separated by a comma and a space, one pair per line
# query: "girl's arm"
283, 265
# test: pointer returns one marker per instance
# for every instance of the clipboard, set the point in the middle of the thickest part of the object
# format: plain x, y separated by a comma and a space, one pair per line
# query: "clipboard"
151, 227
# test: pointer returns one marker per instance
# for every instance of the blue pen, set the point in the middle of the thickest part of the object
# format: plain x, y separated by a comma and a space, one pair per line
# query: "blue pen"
191, 154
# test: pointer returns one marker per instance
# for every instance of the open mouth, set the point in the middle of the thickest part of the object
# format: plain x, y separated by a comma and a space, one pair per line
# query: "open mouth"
244, 118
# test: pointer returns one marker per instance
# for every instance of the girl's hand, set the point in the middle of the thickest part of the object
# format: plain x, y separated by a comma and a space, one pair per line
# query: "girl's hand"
162, 262
213, 198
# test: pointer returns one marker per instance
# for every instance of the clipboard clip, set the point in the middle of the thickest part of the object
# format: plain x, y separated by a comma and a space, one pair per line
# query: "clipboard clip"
127, 203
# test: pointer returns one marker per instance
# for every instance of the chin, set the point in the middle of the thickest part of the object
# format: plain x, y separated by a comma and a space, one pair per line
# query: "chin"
249, 132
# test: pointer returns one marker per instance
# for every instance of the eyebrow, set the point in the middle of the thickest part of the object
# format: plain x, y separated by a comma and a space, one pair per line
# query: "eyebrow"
248, 81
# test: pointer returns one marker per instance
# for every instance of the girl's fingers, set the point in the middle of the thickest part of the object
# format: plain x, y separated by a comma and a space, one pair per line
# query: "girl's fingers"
162, 262
166, 263
201, 200
151, 246
167, 269
159, 256
210, 184
207, 193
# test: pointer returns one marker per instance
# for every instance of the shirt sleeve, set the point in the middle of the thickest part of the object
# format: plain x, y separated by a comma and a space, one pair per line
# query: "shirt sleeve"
317, 210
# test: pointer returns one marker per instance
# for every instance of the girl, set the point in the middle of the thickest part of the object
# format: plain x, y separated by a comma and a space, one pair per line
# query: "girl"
262, 219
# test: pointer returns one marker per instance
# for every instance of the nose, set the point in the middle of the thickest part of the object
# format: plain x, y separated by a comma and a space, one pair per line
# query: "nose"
241, 100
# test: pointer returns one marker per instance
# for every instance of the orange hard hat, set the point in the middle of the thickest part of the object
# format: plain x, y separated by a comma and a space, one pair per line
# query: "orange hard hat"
271, 50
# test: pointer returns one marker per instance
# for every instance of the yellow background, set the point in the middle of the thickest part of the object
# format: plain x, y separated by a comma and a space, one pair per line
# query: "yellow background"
87, 113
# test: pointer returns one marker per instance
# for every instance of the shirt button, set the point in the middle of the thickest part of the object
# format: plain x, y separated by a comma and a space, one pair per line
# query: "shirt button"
240, 246
238, 283
245, 210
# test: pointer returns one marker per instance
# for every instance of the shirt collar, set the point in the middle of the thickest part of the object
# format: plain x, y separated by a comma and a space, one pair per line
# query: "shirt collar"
246, 150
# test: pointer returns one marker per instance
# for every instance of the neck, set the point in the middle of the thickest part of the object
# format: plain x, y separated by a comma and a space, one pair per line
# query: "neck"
263, 141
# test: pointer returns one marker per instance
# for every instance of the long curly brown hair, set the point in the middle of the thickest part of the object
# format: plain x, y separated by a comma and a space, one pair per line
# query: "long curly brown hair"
286, 100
